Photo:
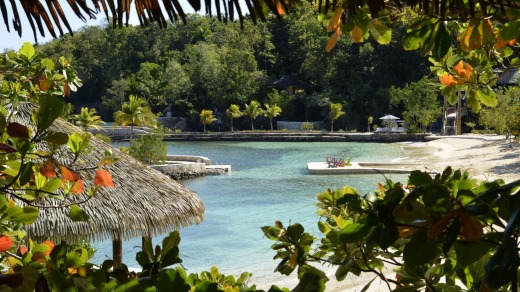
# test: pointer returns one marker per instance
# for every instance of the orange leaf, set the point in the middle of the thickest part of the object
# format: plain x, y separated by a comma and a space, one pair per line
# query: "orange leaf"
500, 43
436, 229
45, 84
5, 243
103, 179
22, 249
471, 227
448, 79
279, 8
464, 70
78, 187
357, 33
38, 257
380, 187
66, 89
51, 246
333, 40
69, 173
335, 20
48, 170
406, 231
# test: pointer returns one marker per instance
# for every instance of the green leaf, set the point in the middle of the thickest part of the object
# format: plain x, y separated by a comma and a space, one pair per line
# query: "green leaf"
310, 282
295, 231
419, 250
354, 232
510, 30
78, 142
172, 280
451, 236
388, 235
29, 215
206, 286
468, 253
142, 259
487, 96
77, 214
50, 108
171, 257
436, 198
380, 32
418, 178
27, 50
52, 185
30, 277
442, 42
128, 286
57, 138
473, 101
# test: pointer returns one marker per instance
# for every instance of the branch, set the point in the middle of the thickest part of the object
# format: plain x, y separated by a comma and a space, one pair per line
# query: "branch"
30, 203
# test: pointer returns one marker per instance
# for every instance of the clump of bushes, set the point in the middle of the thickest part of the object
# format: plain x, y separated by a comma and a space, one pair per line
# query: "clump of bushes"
307, 126
150, 148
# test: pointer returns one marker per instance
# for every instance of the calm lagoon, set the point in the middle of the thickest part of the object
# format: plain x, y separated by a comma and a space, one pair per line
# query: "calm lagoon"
268, 182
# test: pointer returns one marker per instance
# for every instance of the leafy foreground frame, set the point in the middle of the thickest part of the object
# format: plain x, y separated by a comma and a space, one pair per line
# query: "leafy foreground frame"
446, 233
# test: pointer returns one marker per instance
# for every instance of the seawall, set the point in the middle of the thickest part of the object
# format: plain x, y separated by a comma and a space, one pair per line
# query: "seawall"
119, 134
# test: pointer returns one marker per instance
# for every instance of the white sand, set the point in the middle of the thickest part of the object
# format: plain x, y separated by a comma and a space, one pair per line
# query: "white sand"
486, 157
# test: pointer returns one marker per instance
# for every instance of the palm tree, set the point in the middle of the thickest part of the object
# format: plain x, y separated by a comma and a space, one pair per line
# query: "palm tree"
253, 110
271, 112
87, 119
233, 112
206, 117
134, 113
370, 120
335, 113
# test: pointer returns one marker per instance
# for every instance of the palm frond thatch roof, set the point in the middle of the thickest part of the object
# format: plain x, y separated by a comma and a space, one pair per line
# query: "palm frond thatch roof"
144, 202
147, 11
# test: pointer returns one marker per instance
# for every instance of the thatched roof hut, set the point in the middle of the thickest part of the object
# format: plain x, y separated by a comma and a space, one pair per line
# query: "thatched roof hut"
144, 202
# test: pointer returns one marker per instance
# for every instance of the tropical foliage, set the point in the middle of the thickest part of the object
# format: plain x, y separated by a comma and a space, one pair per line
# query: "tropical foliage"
336, 111
233, 112
272, 112
207, 118
253, 110
87, 119
150, 148
419, 104
504, 118
135, 112
446, 233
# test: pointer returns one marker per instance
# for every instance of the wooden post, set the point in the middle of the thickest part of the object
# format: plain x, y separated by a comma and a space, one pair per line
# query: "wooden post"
117, 252
458, 129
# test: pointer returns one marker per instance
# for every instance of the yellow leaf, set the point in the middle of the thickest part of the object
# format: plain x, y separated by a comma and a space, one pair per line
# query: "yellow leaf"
292, 260
477, 34
335, 20
333, 40
357, 33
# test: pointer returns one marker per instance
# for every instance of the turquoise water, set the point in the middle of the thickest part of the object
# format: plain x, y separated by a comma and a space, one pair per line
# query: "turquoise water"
268, 182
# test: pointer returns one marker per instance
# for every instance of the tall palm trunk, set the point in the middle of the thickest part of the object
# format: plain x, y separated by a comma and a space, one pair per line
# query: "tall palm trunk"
231, 125
252, 126
332, 126
271, 120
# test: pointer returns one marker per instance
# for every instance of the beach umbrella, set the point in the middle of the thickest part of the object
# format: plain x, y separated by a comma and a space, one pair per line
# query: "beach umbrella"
389, 117
144, 202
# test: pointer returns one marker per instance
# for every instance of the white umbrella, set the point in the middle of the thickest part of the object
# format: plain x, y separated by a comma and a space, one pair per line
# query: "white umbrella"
389, 117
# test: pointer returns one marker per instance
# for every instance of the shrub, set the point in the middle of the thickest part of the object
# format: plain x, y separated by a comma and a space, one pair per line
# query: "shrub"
150, 148
307, 126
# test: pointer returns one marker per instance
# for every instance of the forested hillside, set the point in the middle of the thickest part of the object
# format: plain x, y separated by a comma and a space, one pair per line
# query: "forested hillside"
205, 64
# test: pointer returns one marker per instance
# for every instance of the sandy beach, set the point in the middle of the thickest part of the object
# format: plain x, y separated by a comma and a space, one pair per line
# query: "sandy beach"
486, 157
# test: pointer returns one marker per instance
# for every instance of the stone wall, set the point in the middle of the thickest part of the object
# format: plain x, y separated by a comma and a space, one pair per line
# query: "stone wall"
297, 126
181, 170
